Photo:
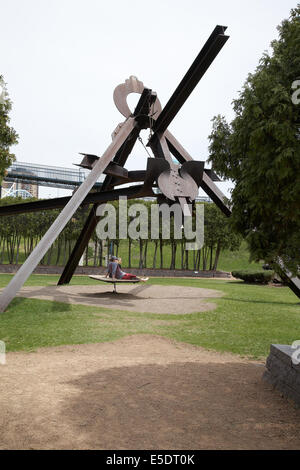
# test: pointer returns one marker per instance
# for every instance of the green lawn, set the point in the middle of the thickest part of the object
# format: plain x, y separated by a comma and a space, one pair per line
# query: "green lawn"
247, 319
237, 260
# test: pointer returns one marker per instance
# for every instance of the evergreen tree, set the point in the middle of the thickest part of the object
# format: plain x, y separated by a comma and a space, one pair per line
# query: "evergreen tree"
260, 151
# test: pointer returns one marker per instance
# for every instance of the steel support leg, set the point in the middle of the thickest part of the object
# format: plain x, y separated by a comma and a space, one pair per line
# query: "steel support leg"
43, 246
80, 246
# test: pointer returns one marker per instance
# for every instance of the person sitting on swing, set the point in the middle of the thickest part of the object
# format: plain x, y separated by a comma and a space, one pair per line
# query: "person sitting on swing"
115, 272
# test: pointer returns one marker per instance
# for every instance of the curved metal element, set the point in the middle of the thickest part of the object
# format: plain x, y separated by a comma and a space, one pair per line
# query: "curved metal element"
173, 185
131, 85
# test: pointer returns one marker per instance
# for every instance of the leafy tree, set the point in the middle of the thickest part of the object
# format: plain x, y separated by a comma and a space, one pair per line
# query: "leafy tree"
260, 152
8, 135
218, 236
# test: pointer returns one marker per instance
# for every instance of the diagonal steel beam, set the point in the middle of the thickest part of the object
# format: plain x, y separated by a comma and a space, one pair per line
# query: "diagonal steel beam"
207, 183
61, 202
198, 68
41, 249
293, 282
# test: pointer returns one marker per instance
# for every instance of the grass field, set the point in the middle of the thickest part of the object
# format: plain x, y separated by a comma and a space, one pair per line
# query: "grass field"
237, 260
247, 319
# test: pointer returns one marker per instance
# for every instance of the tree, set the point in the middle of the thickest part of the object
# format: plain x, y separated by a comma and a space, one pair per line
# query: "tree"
218, 236
8, 135
260, 152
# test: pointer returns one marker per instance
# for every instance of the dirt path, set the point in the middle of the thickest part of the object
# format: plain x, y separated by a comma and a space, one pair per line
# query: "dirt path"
142, 298
141, 392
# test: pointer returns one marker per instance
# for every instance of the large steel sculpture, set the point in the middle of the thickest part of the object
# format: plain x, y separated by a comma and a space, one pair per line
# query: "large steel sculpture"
177, 182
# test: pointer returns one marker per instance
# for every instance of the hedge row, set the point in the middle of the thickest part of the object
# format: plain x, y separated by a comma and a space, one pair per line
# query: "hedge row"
258, 277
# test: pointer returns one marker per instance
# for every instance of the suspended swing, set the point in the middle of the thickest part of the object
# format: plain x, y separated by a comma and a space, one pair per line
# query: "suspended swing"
119, 281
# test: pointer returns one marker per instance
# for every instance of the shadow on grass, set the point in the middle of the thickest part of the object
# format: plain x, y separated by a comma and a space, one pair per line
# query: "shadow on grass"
37, 306
244, 283
289, 304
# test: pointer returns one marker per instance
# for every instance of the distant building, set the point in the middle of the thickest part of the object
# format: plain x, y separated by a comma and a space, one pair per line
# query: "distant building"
15, 189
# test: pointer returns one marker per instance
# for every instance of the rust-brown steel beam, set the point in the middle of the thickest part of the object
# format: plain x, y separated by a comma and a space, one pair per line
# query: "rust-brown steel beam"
60, 202
206, 56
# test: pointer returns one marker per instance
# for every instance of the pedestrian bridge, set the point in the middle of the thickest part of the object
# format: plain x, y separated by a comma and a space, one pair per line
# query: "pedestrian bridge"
56, 177
45, 175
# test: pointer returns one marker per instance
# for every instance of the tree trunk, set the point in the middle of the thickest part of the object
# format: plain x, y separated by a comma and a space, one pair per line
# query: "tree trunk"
49, 255
161, 253
187, 252
100, 254
2, 250
112, 248
129, 252
198, 260
141, 253
145, 254
9, 250
173, 254
65, 252
218, 251
87, 255
155, 254
58, 252
194, 259
31, 245
25, 246
182, 254
18, 249
204, 258
95, 251
211, 258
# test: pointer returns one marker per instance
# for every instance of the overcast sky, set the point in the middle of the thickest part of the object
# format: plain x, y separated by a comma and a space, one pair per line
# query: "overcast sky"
62, 59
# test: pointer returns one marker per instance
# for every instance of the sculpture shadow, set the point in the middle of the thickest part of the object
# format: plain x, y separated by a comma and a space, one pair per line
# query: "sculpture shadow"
182, 405
59, 305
